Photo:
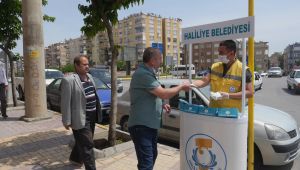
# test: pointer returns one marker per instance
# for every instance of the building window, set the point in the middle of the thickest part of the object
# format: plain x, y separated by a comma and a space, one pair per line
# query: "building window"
151, 38
258, 52
208, 45
196, 46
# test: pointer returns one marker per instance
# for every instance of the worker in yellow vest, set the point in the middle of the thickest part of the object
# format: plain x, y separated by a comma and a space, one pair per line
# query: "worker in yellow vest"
225, 78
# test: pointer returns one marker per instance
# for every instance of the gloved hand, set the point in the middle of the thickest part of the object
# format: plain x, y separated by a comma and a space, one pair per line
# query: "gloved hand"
216, 95
224, 95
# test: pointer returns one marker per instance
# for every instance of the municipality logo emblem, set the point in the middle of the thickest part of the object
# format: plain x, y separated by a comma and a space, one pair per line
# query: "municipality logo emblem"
232, 89
205, 153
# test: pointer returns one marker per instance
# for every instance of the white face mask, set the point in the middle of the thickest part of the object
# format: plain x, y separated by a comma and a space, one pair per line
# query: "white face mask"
223, 59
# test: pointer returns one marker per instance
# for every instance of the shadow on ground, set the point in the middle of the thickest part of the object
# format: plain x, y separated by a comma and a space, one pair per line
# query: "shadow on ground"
291, 92
43, 149
284, 167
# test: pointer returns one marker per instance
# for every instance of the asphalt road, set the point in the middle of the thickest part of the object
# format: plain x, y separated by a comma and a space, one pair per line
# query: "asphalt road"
275, 94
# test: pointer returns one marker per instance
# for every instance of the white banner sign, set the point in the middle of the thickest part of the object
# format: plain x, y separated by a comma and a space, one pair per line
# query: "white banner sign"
232, 29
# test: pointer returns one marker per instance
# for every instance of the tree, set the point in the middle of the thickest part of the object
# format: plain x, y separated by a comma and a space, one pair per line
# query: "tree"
101, 15
121, 65
68, 68
11, 30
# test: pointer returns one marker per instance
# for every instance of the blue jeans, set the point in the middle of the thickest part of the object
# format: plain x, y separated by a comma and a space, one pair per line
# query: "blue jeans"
145, 143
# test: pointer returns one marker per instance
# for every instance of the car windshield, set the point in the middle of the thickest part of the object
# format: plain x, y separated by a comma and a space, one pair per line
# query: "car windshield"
53, 74
275, 69
297, 74
99, 73
102, 74
100, 84
206, 91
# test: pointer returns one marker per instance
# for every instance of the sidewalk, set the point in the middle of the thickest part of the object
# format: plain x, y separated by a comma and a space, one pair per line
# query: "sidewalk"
44, 145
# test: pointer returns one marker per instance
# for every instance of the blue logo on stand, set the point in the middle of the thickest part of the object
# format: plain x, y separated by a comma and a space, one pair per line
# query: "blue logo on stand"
203, 152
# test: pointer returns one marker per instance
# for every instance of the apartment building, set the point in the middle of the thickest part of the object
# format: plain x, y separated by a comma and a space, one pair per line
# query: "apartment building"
138, 31
205, 54
56, 55
78, 46
172, 40
292, 56
133, 34
261, 56
274, 59
99, 46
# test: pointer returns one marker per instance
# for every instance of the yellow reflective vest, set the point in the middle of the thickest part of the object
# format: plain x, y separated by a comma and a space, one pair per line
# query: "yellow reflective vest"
230, 83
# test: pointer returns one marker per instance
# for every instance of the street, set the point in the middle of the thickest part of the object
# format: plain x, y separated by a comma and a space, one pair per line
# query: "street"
274, 93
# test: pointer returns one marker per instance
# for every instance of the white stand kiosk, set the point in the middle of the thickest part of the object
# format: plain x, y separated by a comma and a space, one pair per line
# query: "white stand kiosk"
208, 142
211, 142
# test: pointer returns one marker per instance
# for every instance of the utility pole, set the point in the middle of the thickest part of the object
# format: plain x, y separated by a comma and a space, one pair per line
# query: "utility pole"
34, 61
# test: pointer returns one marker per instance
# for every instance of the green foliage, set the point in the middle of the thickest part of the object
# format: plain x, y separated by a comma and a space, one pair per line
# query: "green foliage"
121, 65
11, 23
99, 14
16, 57
68, 68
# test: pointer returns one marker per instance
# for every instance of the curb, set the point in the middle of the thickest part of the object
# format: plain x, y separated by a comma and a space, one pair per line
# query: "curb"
107, 152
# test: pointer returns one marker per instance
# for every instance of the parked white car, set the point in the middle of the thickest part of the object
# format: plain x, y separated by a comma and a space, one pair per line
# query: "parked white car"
258, 81
276, 132
50, 75
263, 74
293, 80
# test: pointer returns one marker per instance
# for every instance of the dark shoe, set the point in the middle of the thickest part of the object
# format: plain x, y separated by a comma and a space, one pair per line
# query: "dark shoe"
4, 116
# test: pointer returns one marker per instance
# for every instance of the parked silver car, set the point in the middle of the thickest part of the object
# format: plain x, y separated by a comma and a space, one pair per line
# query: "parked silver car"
275, 72
276, 132
293, 80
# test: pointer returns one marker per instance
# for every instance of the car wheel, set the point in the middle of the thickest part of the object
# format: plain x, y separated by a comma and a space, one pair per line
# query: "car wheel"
289, 87
258, 162
260, 86
124, 124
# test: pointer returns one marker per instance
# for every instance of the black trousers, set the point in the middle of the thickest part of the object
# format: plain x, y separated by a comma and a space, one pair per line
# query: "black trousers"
3, 99
82, 151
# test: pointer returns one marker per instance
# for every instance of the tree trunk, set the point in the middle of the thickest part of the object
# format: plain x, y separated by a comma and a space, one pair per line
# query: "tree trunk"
12, 76
113, 114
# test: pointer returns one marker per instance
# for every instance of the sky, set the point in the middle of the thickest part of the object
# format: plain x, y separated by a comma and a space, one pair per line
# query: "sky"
276, 21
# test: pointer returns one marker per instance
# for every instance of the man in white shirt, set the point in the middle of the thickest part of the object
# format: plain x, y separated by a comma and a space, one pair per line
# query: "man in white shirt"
3, 90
